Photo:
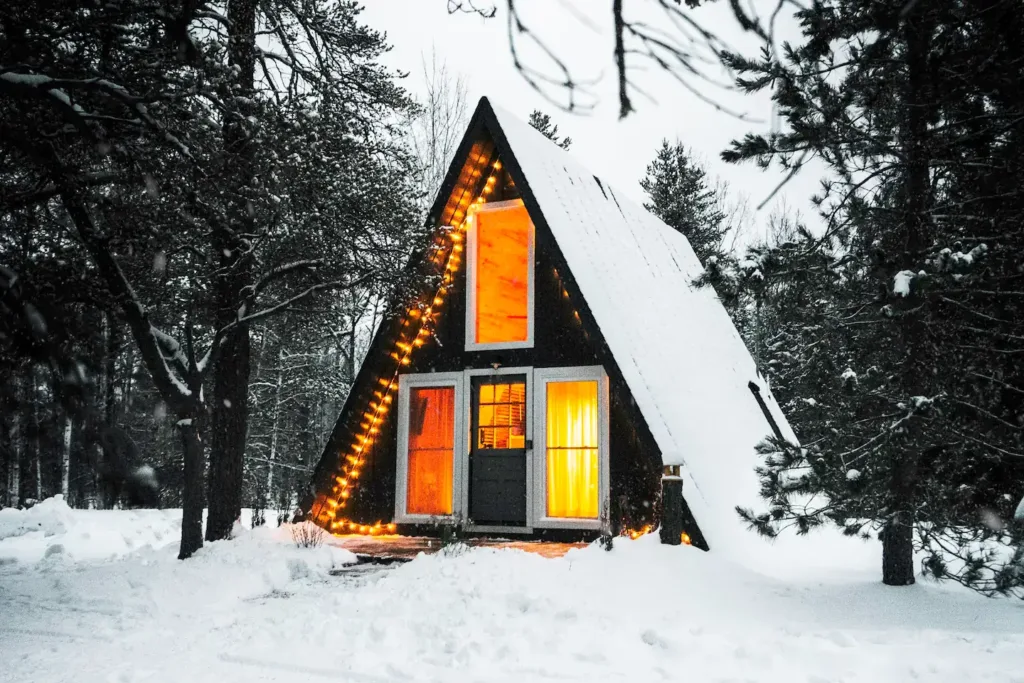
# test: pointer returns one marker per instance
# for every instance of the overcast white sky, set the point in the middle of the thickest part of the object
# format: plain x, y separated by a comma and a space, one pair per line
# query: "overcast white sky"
580, 31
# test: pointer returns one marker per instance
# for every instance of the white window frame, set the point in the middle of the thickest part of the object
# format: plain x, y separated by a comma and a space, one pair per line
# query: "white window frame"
460, 463
541, 378
536, 457
471, 238
467, 411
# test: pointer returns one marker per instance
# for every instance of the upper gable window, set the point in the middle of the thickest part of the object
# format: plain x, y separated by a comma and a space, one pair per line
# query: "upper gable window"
499, 314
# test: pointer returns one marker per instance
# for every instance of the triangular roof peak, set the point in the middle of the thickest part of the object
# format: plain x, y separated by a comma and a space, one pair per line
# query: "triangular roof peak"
673, 342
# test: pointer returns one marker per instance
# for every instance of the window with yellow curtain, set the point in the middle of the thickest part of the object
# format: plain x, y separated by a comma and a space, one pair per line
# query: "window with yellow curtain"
431, 450
502, 271
572, 449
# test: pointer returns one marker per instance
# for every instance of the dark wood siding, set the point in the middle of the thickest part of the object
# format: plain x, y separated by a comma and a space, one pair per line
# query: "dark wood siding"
565, 334
559, 341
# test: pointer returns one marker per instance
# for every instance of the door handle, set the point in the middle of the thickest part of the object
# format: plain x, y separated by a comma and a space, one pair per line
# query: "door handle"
528, 444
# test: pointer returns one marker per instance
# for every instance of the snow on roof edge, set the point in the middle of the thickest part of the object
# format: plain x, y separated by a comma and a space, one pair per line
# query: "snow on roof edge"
675, 344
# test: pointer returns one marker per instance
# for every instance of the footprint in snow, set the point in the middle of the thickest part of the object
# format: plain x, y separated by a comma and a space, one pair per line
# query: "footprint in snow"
652, 638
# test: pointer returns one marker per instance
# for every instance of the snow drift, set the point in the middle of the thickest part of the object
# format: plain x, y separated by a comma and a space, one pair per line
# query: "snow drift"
260, 609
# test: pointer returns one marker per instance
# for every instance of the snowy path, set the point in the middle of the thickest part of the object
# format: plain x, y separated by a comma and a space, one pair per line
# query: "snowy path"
259, 609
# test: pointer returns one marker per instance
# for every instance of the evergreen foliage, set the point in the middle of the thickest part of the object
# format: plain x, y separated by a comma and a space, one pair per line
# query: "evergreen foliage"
679, 194
171, 193
542, 122
893, 336
198, 230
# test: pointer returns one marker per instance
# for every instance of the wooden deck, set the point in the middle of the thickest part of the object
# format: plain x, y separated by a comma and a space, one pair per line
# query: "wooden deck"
403, 548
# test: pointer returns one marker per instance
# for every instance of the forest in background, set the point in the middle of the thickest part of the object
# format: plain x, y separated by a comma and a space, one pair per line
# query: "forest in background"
203, 210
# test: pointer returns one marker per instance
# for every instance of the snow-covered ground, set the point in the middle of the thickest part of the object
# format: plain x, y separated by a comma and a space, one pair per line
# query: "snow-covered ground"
52, 529
114, 605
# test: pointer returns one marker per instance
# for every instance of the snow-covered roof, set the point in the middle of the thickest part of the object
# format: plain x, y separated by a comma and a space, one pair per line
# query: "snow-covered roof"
679, 352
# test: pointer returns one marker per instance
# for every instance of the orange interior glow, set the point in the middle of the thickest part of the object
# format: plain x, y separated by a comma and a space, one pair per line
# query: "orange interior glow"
431, 447
501, 416
502, 272
571, 442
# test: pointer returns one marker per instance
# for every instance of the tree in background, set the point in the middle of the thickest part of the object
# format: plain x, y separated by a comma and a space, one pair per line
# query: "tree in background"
188, 185
899, 326
436, 128
679, 194
669, 34
542, 122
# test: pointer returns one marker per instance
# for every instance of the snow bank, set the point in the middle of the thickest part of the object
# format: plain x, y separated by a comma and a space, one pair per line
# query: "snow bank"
651, 612
131, 556
259, 608
53, 531
258, 563
49, 517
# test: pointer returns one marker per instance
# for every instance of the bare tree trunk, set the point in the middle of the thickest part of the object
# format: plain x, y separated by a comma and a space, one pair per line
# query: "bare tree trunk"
230, 420
110, 338
184, 394
192, 493
898, 553
65, 456
39, 450
350, 361
898, 535
37, 434
232, 369
16, 441
274, 427
129, 382
437, 129
108, 396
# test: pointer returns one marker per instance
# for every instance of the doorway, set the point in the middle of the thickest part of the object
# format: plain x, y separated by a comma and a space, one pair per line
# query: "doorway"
497, 454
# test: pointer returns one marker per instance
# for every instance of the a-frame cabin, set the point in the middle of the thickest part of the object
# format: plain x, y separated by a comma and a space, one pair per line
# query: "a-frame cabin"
555, 358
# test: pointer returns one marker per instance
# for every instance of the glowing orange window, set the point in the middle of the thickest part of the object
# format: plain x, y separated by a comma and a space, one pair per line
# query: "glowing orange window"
501, 416
431, 450
501, 272
572, 449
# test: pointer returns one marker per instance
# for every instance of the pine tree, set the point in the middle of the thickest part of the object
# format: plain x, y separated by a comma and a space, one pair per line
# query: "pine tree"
151, 178
678, 193
912, 397
542, 122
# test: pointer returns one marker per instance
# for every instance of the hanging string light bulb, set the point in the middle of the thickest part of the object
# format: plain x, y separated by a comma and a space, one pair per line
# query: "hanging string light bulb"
446, 249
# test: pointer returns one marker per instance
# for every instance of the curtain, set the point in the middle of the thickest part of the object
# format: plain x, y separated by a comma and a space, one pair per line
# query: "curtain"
501, 417
572, 449
431, 450
502, 272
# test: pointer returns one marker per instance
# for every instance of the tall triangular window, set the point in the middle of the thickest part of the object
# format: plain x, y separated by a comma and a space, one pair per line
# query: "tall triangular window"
499, 314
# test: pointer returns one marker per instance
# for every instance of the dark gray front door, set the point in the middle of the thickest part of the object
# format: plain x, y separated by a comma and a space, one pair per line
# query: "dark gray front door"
497, 458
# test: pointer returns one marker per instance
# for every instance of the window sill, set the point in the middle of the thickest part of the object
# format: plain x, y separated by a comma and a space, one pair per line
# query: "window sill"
499, 346
567, 523
426, 519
